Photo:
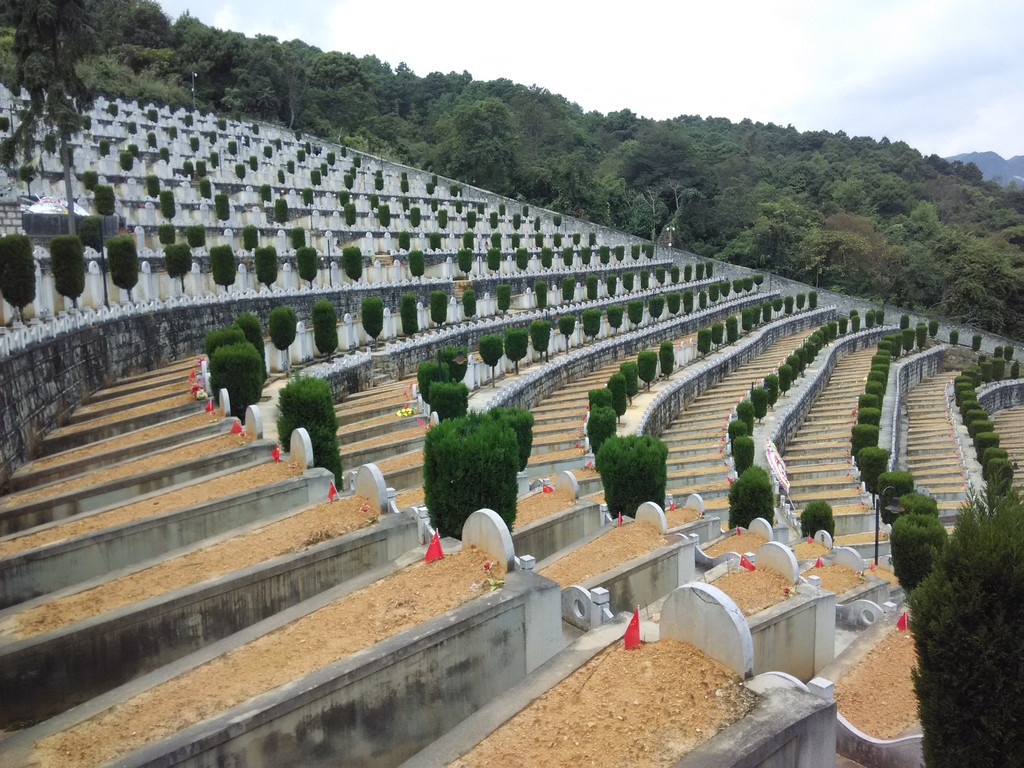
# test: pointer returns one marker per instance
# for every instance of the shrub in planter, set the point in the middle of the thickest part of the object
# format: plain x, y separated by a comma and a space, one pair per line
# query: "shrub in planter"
480, 447
307, 402
540, 289
469, 303
352, 262
123, 259
265, 262
633, 471
195, 236
817, 516
438, 307
222, 265
503, 294
280, 210
305, 262
166, 233
750, 497
67, 263
615, 318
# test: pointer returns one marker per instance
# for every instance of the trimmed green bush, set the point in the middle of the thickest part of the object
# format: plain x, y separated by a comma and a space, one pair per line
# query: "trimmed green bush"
372, 313
892, 486
503, 295
470, 463
280, 210
984, 440
67, 263
352, 262
617, 387
743, 453
785, 378
667, 358
917, 504
517, 342
566, 326
817, 516
167, 209
916, 542
976, 342
281, 325
222, 337
438, 307
449, 399
591, 322
306, 263
195, 236
647, 366
469, 303
863, 436
123, 259
633, 471
265, 262
759, 399
751, 496
540, 289
178, 262
222, 265
601, 425
745, 413
491, 349
307, 402
238, 368
325, 327
249, 325
540, 335
869, 416
614, 318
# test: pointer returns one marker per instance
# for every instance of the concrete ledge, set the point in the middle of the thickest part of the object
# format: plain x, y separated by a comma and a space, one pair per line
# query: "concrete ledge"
648, 578
80, 417
544, 538
24, 480
117, 492
385, 703
877, 753
35, 572
707, 528
788, 728
57, 443
796, 636
46, 674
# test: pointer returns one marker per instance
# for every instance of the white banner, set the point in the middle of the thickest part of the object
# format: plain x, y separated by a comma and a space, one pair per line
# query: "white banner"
776, 464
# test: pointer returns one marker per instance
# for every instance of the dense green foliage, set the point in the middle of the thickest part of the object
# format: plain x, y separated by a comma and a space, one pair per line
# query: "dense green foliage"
123, 258
633, 470
325, 326
872, 218
601, 425
817, 516
67, 263
282, 327
306, 402
238, 368
470, 463
751, 496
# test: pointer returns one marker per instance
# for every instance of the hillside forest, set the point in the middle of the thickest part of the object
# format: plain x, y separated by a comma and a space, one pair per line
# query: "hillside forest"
875, 219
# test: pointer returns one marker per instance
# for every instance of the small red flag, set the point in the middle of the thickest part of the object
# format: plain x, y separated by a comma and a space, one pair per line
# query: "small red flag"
209, 405
236, 428
902, 623
590, 463
818, 563
434, 550
332, 492
620, 518
746, 563
192, 376
547, 488
276, 454
632, 637
421, 422
672, 506
810, 540
737, 530
872, 566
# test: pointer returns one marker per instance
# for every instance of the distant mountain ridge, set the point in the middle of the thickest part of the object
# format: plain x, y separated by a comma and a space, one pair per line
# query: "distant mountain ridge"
994, 168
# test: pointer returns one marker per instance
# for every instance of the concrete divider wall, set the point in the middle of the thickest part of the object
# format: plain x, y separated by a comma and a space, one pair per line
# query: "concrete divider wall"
553, 534
797, 636
788, 728
905, 752
700, 377
647, 578
1002, 395
520, 281
35, 572
382, 705
49, 673
793, 417
911, 371
526, 391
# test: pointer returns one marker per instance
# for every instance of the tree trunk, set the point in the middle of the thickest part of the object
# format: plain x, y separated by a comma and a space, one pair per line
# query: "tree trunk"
66, 157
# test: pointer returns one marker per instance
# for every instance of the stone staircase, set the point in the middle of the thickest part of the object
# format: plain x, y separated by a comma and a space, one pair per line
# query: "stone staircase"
696, 437
1010, 426
931, 453
818, 457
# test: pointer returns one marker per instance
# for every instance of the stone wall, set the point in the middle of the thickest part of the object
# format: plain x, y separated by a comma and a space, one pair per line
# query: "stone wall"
911, 372
699, 378
10, 219
998, 397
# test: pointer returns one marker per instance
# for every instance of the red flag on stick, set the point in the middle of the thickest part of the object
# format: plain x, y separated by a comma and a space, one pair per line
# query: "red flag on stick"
547, 488
872, 566
810, 540
332, 492
818, 563
236, 428
632, 637
902, 623
434, 550
209, 405
746, 563
620, 518
192, 376
737, 530
276, 454
672, 505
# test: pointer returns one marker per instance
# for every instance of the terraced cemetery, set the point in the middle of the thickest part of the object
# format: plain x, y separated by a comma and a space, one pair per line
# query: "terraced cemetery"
174, 594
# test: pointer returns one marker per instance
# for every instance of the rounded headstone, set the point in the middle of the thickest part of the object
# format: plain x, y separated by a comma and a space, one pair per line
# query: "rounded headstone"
779, 558
225, 402
301, 449
705, 616
485, 530
652, 514
370, 483
253, 422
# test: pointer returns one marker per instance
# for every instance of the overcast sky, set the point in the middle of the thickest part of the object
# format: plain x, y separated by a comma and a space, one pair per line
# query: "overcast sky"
946, 76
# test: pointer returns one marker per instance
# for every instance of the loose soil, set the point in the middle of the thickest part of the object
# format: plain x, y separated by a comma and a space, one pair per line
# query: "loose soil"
383, 609
597, 498
884, 574
644, 707
309, 527
128, 413
569, 453
168, 390
680, 516
613, 548
584, 472
814, 550
836, 579
391, 437
195, 450
133, 438
745, 542
753, 591
404, 461
414, 496
877, 695
540, 505
245, 479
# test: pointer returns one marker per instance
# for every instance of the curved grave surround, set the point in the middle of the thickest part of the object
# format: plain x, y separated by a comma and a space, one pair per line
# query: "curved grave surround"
705, 616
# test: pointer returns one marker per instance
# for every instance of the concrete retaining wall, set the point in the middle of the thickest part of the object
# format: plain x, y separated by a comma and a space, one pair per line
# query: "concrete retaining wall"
36, 572
382, 705
796, 636
648, 578
699, 378
911, 372
46, 674
877, 753
999, 397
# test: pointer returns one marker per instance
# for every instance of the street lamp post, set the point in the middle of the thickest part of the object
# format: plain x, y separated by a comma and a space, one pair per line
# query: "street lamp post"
193, 91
